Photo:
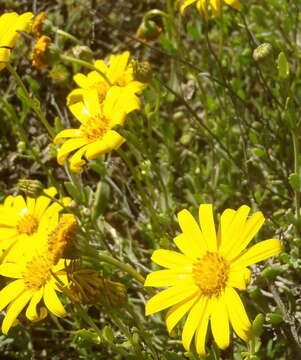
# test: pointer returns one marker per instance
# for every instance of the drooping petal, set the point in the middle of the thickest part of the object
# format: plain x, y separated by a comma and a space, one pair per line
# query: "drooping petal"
220, 322
68, 133
168, 277
68, 147
176, 312
258, 252
170, 259
194, 318
169, 297
192, 232
200, 335
10, 292
207, 226
186, 3
52, 301
14, 310
77, 161
237, 314
234, 3
31, 311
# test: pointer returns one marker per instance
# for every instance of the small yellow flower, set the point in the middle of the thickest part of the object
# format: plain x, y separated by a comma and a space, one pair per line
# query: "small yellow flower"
10, 24
95, 136
202, 278
35, 286
24, 222
36, 28
39, 57
203, 5
117, 73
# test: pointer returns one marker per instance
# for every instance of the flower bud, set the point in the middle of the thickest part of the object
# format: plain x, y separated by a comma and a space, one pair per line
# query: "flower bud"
263, 53
32, 188
83, 52
141, 71
148, 31
257, 325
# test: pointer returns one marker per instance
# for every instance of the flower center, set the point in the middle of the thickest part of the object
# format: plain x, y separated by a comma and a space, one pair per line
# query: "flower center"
60, 240
28, 224
102, 89
210, 274
95, 127
36, 273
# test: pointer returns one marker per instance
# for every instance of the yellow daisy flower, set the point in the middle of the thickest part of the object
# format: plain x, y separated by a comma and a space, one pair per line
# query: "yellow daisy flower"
118, 73
35, 286
202, 279
95, 136
10, 24
202, 5
24, 221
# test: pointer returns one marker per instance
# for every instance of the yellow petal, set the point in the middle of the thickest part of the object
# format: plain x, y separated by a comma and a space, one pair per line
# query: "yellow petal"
169, 297
4, 57
225, 221
232, 234
91, 101
170, 259
68, 133
258, 252
117, 66
234, 3
237, 314
81, 80
77, 160
176, 312
68, 147
75, 96
14, 310
193, 234
10, 292
52, 301
186, 3
220, 322
239, 278
207, 226
168, 277
193, 320
250, 229
80, 111
31, 311
10, 270
110, 141
200, 335
187, 246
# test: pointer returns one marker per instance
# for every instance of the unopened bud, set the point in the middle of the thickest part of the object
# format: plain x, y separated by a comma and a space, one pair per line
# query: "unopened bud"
148, 31
141, 71
257, 325
41, 55
263, 53
32, 188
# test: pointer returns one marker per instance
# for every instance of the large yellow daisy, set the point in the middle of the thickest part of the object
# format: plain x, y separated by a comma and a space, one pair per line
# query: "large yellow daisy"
35, 286
23, 222
10, 24
202, 5
202, 278
118, 72
95, 136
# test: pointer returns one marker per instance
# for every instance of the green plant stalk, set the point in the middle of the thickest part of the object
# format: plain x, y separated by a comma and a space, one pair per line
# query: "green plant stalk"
296, 171
83, 314
36, 108
67, 35
128, 269
86, 64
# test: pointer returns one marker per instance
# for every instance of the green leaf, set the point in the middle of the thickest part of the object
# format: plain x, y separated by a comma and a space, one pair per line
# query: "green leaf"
294, 181
283, 66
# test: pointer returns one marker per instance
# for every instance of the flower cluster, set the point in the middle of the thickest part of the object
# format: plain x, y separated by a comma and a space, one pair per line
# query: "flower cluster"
104, 97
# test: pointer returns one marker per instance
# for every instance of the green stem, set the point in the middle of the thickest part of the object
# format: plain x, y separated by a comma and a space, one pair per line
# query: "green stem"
32, 102
84, 64
67, 36
155, 12
83, 314
297, 172
122, 266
